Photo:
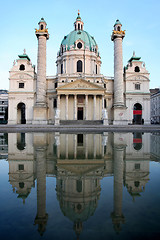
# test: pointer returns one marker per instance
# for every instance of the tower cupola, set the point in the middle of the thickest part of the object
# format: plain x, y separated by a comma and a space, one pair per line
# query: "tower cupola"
42, 29
42, 24
78, 23
117, 25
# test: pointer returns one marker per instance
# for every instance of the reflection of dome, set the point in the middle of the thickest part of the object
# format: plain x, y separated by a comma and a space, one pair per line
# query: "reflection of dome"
78, 212
78, 198
84, 36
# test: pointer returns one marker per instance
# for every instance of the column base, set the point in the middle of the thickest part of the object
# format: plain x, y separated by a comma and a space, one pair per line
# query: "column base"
12, 122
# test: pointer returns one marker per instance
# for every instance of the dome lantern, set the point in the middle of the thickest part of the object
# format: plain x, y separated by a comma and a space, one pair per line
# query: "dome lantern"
78, 23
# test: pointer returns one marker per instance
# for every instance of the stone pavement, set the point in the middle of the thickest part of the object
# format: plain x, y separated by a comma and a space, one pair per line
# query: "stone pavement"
79, 128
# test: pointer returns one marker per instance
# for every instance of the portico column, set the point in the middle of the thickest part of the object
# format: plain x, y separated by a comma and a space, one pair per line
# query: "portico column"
94, 108
102, 102
66, 107
75, 107
58, 102
86, 106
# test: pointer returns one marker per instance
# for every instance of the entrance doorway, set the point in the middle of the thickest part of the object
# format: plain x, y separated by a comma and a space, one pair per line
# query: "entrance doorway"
80, 113
21, 118
137, 114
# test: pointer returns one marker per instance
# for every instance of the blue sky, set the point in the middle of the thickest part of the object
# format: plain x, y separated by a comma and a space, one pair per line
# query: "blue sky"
140, 19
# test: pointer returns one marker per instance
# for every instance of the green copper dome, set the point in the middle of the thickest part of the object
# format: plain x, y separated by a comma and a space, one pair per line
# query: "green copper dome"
75, 35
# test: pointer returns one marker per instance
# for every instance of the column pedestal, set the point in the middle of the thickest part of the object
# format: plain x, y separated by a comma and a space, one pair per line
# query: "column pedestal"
120, 117
40, 114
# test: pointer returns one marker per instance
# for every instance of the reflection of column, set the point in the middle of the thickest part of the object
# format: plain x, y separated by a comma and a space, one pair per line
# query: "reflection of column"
86, 106
94, 108
42, 216
66, 107
117, 216
86, 146
75, 146
75, 107
94, 146
66, 146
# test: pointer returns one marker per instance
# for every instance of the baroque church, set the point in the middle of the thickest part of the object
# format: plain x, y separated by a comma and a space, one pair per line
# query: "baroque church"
79, 91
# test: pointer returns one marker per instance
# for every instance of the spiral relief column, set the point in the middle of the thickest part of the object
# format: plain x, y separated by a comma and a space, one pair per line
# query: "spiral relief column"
118, 106
40, 108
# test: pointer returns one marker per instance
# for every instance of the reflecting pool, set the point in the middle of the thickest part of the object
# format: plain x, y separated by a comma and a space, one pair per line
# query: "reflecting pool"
79, 186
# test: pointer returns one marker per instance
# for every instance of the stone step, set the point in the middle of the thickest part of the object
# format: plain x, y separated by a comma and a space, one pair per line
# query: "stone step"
81, 122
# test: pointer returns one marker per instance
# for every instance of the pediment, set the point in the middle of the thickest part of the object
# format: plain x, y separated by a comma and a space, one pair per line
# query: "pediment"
136, 77
80, 84
20, 76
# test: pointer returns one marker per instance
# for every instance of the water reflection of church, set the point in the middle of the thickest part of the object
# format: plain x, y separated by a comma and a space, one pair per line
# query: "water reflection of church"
79, 162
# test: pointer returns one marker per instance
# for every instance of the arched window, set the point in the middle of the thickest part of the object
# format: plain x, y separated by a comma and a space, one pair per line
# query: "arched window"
118, 28
79, 66
137, 69
62, 68
41, 27
96, 69
21, 113
21, 143
78, 26
22, 67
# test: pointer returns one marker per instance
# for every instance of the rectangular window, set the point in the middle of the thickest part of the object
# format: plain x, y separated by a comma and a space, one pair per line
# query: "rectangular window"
21, 85
137, 165
137, 86
21, 167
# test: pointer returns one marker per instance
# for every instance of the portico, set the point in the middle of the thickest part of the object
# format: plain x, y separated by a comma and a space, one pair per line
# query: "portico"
80, 100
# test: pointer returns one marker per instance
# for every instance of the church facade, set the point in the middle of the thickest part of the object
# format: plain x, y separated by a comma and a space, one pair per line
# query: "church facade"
79, 91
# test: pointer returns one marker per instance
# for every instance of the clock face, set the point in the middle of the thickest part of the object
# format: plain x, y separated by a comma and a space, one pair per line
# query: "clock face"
79, 45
